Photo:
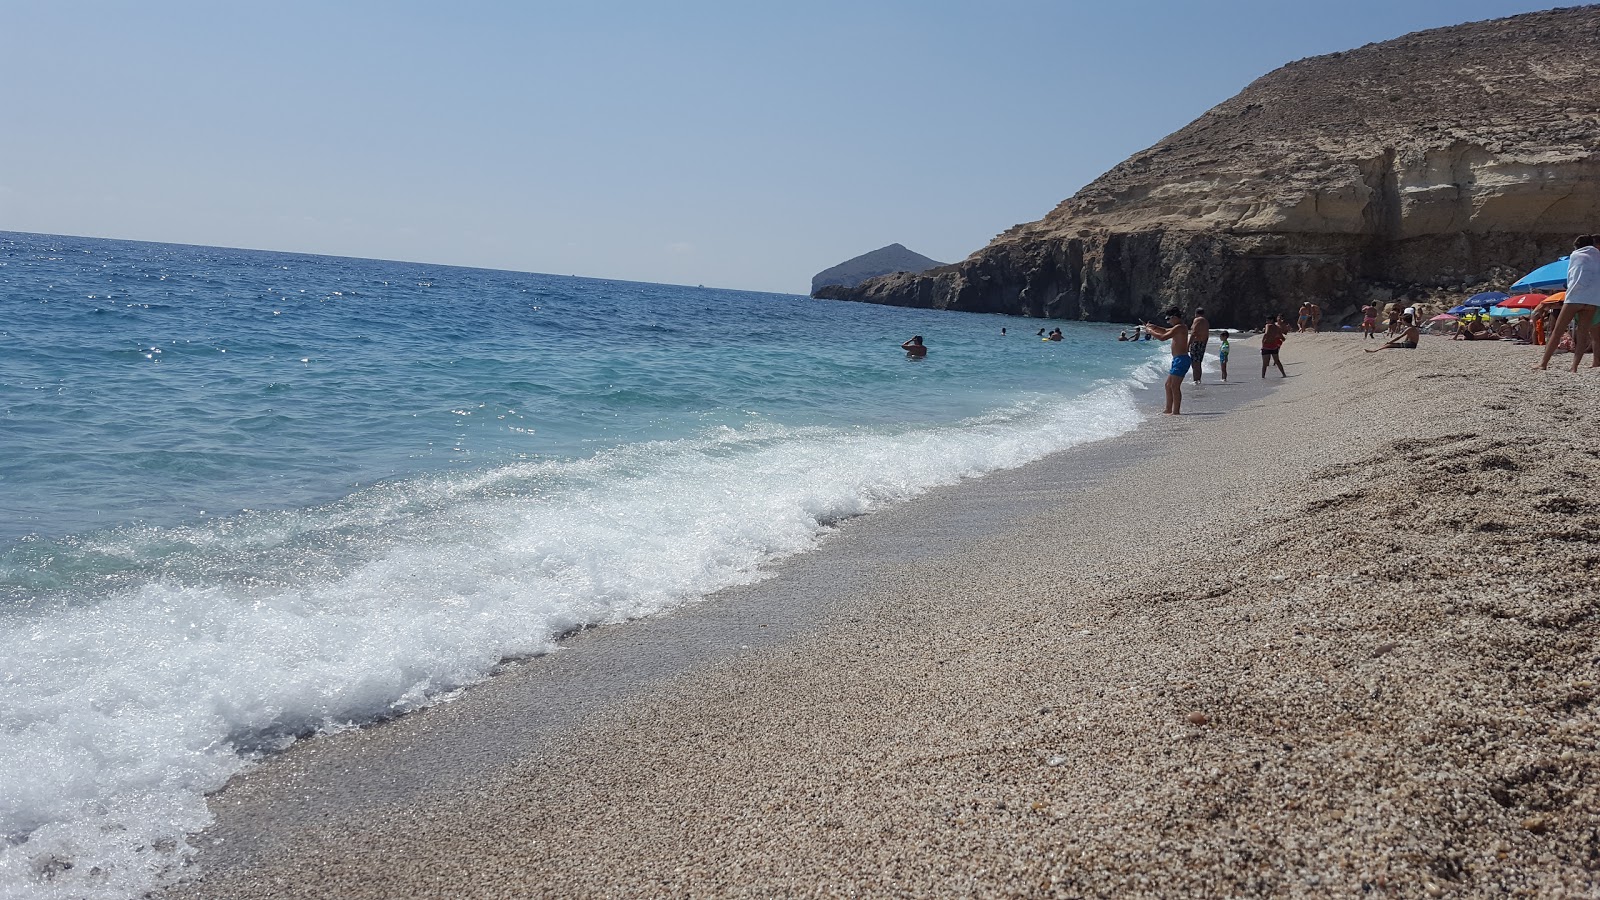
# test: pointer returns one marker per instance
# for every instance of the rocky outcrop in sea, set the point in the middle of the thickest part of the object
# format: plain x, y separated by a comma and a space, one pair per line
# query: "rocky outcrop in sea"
1434, 164
882, 261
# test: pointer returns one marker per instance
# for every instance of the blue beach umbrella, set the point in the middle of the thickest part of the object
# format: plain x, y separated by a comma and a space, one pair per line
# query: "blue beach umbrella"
1463, 308
1507, 312
1547, 276
1485, 299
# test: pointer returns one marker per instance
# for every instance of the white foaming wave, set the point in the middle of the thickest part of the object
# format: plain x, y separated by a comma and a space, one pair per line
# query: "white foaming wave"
121, 715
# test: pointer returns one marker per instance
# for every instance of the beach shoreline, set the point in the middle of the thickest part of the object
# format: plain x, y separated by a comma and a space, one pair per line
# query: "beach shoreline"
990, 689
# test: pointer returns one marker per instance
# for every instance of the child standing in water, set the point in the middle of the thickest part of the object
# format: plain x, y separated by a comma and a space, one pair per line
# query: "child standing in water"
1222, 354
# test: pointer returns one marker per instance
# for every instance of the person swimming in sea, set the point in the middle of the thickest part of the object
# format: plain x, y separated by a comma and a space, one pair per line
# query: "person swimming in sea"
914, 348
1055, 335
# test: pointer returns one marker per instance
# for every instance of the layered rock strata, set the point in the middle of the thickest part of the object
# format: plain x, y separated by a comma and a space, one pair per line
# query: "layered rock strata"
1435, 163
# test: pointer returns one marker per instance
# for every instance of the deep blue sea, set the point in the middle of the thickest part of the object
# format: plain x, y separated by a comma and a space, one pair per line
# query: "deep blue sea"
249, 496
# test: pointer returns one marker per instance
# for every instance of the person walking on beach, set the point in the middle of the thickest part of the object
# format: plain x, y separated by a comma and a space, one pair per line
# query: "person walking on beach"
1369, 322
1199, 337
1304, 322
1178, 333
1272, 338
1581, 309
914, 348
1222, 354
1405, 340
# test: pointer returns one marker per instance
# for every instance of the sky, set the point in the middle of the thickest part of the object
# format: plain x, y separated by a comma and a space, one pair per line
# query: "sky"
732, 144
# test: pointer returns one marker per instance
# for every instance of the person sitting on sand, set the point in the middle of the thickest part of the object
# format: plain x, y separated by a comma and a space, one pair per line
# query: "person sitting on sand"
1272, 338
1178, 334
1581, 309
914, 348
1406, 340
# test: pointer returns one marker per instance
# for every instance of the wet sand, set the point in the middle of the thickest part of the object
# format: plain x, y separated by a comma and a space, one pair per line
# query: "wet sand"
1326, 634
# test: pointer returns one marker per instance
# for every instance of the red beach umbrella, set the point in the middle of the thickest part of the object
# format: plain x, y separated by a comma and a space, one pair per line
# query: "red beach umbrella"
1522, 301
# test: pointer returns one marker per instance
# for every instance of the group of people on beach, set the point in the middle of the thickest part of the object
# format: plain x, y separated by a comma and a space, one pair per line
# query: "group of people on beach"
1579, 314
1569, 322
1310, 319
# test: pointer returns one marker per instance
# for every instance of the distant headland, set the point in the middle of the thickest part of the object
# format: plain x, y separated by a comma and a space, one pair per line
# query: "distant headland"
882, 261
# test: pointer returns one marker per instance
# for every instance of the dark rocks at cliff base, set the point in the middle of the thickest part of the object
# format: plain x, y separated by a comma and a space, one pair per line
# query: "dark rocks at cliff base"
1431, 165
883, 261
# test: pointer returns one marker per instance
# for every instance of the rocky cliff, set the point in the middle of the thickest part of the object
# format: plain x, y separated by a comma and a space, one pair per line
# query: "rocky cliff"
1435, 163
882, 261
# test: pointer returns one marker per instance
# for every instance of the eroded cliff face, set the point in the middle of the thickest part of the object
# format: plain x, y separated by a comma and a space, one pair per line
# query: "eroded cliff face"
1439, 162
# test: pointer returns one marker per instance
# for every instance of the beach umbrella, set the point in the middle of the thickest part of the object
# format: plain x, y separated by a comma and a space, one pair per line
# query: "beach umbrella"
1549, 275
1506, 312
1462, 310
1484, 300
1443, 317
1521, 301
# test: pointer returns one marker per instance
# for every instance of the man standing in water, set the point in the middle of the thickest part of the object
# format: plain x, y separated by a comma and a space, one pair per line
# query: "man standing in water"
1199, 337
914, 348
1179, 335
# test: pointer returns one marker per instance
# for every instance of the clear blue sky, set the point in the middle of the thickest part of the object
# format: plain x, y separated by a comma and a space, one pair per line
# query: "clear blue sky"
739, 144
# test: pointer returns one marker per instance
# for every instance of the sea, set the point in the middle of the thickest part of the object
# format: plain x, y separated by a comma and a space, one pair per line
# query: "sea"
247, 497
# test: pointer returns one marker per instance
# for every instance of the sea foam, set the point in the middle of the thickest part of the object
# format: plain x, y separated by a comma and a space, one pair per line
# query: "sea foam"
234, 637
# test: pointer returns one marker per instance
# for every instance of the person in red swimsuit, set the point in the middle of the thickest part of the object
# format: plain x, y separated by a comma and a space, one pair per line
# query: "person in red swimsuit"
1272, 337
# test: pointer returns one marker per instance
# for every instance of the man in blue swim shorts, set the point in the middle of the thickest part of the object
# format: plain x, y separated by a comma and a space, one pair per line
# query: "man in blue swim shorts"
1178, 334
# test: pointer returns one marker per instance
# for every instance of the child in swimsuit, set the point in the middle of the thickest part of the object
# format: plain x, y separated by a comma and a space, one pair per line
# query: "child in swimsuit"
1222, 354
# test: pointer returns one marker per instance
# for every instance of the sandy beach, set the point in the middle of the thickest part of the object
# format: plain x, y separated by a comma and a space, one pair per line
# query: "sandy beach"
1329, 634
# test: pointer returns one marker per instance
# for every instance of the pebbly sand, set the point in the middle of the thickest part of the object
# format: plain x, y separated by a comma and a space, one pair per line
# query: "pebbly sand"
1326, 635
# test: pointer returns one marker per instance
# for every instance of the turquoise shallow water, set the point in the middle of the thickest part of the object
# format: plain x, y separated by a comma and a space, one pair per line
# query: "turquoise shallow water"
250, 496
